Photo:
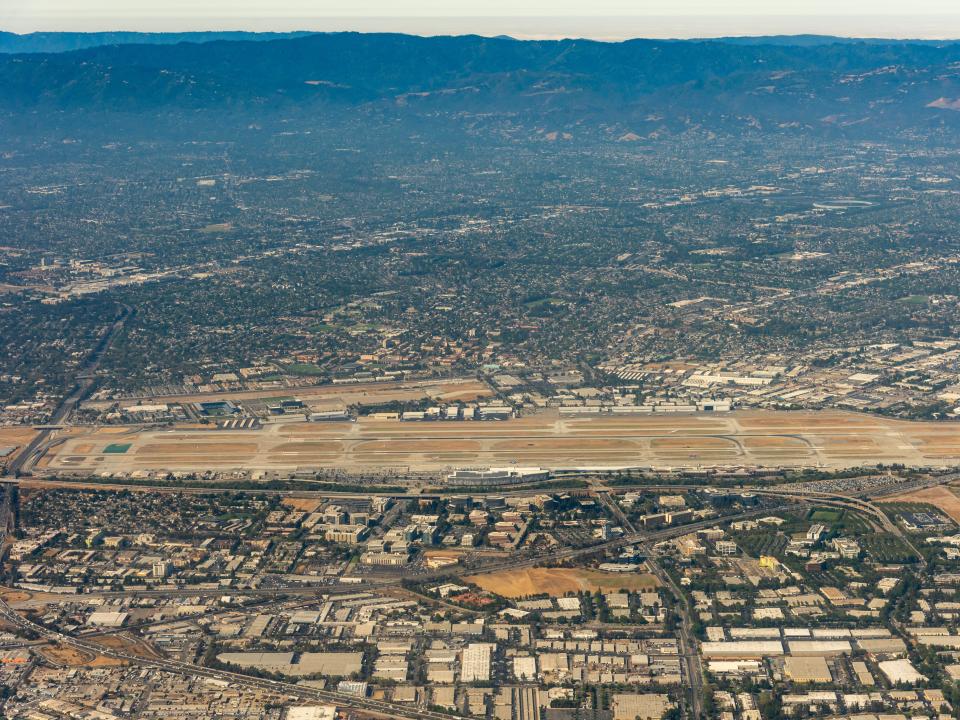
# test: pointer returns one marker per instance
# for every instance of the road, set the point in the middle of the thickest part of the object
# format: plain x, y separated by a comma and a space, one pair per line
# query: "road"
84, 381
688, 644
301, 692
856, 501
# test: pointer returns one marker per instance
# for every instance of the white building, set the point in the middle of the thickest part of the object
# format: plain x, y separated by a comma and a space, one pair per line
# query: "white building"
475, 662
726, 547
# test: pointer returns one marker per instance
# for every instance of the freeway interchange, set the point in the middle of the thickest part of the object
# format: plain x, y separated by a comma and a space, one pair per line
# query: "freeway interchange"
646, 540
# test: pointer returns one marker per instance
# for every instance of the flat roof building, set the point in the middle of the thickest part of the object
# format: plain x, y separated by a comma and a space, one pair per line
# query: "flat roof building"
475, 662
807, 669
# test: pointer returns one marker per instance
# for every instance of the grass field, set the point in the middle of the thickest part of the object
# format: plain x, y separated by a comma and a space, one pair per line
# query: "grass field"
117, 448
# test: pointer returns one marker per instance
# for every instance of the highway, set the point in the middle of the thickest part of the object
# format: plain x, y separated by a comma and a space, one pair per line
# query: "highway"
777, 497
594, 487
377, 707
84, 382
687, 642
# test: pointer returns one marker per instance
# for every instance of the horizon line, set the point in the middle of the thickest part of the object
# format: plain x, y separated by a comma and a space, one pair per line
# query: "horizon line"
601, 28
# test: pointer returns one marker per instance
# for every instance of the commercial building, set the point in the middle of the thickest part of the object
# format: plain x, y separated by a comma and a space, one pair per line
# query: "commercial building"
108, 619
726, 547
384, 559
901, 671
742, 650
335, 664
475, 662
807, 669
494, 477
312, 712
847, 548
645, 706
822, 648
346, 534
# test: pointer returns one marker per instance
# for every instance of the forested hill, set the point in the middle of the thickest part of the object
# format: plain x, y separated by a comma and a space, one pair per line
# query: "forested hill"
54, 42
719, 85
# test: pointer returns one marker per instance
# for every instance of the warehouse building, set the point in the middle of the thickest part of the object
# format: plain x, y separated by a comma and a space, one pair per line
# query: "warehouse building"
807, 669
475, 662
336, 664
742, 650
645, 706
901, 671
822, 648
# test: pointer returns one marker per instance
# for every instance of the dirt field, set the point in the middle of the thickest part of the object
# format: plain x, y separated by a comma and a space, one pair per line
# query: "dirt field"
827, 439
302, 504
14, 596
942, 497
65, 655
16, 438
16, 435
559, 581
139, 648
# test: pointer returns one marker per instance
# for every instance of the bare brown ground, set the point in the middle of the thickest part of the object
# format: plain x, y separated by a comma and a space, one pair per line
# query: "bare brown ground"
315, 446
198, 460
569, 444
706, 443
452, 457
369, 393
808, 421
67, 655
202, 437
306, 459
17, 435
303, 504
384, 459
844, 443
940, 444
104, 661
417, 446
602, 458
773, 441
650, 424
941, 497
559, 581
310, 429
193, 448
433, 430
465, 396
545, 439
139, 648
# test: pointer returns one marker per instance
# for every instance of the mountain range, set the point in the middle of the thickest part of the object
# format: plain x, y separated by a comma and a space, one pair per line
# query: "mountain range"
773, 83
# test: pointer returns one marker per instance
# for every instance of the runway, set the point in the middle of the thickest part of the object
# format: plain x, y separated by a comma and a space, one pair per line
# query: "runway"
827, 439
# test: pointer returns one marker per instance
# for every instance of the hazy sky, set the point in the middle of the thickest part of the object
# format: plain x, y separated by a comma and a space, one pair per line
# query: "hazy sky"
604, 19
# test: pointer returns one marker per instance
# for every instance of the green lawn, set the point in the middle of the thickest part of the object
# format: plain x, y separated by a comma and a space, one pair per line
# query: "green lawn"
303, 369
117, 448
